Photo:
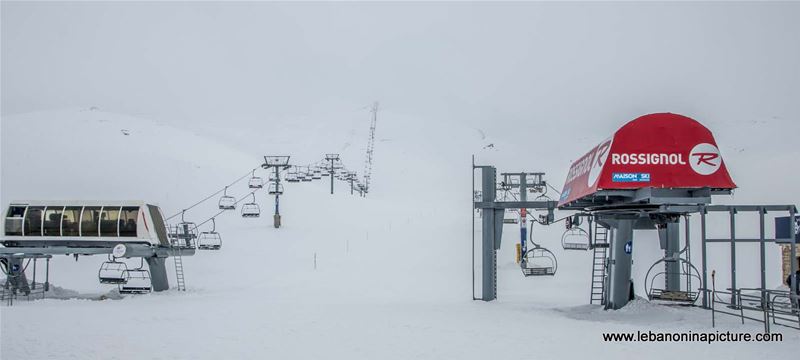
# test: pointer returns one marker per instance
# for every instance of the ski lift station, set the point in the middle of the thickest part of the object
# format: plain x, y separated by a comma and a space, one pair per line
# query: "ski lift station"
652, 174
117, 229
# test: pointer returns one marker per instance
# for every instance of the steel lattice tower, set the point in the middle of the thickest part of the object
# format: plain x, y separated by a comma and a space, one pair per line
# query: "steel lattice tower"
370, 147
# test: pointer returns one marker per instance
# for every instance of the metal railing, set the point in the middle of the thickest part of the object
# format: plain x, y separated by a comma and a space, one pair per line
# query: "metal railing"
773, 307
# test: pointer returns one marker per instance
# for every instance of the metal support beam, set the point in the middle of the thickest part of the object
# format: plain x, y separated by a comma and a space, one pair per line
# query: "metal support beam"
670, 243
704, 256
540, 205
763, 252
793, 261
688, 239
131, 251
158, 273
489, 244
620, 270
733, 253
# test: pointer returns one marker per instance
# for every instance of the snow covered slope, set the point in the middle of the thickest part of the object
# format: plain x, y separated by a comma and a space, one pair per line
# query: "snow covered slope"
387, 276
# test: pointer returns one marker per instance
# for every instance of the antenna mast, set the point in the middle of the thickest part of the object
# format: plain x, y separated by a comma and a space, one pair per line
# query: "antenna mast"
370, 147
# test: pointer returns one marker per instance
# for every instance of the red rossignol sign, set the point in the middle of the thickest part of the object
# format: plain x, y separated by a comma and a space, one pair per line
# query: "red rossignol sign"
657, 150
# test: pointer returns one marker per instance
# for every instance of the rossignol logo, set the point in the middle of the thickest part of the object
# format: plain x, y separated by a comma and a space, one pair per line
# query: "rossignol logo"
705, 159
591, 163
600, 158
647, 159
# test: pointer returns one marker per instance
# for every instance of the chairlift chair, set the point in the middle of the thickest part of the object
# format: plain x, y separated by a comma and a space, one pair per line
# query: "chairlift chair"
255, 182
183, 234
680, 296
112, 271
227, 202
210, 240
301, 176
539, 261
137, 281
291, 176
575, 238
275, 189
251, 209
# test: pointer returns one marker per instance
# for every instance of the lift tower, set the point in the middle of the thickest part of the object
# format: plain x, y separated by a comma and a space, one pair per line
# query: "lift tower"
331, 158
277, 162
370, 148
492, 212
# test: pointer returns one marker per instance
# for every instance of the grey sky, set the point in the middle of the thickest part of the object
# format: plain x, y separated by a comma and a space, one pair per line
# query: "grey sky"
465, 61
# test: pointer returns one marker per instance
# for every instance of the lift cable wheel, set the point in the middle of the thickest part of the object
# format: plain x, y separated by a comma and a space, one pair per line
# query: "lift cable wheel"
685, 297
210, 240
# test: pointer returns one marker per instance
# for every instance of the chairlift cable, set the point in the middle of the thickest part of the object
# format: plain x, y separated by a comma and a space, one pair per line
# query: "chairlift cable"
222, 211
554, 189
249, 172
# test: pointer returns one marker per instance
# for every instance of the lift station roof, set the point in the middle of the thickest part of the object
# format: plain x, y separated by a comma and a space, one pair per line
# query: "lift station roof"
656, 151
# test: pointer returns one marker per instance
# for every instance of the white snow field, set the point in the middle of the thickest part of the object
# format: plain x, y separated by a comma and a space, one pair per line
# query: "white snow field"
392, 275
167, 102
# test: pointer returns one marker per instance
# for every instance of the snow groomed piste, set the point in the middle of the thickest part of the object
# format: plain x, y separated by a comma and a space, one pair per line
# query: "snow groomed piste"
135, 229
652, 174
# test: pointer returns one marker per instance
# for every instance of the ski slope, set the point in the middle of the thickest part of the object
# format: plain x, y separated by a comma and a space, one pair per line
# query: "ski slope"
382, 277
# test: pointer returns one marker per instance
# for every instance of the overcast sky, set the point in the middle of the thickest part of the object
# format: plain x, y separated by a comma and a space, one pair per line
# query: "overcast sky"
207, 62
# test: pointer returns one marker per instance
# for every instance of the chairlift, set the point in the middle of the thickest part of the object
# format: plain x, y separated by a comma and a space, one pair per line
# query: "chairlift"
539, 261
251, 209
275, 189
210, 240
227, 202
542, 196
291, 176
137, 281
183, 234
300, 175
255, 182
112, 271
686, 295
575, 238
